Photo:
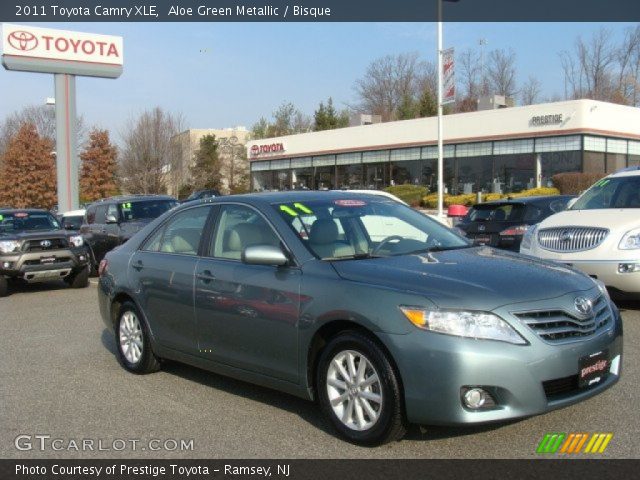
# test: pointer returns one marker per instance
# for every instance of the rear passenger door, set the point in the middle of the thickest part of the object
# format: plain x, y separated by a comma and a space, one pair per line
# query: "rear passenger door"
247, 315
162, 271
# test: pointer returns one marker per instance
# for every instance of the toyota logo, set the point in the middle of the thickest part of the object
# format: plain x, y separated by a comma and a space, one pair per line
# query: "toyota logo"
255, 150
21, 40
566, 236
45, 243
583, 305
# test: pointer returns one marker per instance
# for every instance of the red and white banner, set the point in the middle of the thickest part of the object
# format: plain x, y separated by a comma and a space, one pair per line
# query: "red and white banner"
448, 77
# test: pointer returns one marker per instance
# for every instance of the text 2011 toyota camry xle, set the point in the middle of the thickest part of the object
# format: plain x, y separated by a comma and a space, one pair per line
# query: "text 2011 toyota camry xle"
380, 313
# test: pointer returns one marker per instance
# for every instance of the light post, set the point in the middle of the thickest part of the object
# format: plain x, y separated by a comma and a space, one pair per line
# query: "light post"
440, 129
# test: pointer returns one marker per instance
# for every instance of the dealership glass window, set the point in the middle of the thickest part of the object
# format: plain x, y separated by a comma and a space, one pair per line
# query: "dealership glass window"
375, 156
350, 176
559, 162
593, 162
302, 178
324, 161
405, 154
595, 144
474, 174
616, 146
376, 175
301, 162
510, 147
263, 181
280, 164
513, 173
282, 179
633, 161
558, 144
474, 149
431, 152
324, 177
260, 166
348, 158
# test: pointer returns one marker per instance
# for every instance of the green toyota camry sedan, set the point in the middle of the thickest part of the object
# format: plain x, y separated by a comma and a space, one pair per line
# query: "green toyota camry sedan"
380, 314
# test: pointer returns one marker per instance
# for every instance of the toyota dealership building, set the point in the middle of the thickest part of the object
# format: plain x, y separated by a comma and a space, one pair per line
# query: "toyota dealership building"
502, 150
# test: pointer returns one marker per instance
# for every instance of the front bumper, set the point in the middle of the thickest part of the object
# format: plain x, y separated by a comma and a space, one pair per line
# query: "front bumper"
607, 272
434, 368
29, 266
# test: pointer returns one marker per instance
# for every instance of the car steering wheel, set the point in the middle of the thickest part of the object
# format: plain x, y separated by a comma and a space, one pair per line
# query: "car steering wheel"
384, 242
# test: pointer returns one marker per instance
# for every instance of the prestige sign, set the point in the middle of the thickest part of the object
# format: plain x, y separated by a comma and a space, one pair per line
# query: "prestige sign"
60, 51
544, 120
257, 150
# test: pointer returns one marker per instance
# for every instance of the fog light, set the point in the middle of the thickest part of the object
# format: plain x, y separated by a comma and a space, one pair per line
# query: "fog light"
476, 398
6, 265
81, 258
628, 267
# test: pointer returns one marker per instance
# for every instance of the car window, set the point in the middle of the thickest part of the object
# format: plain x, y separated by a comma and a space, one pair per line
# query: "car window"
101, 214
499, 212
361, 228
145, 209
558, 205
238, 228
27, 221
531, 214
616, 192
91, 215
181, 233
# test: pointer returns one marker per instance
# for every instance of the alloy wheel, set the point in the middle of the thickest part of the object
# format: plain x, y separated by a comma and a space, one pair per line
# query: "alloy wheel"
131, 340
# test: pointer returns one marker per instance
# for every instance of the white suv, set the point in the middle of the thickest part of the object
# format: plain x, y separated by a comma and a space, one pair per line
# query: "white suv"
599, 234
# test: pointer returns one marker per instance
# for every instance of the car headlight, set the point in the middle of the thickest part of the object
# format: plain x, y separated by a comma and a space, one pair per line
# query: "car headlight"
76, 240
8, 246
630, 240
527, 238
478, 325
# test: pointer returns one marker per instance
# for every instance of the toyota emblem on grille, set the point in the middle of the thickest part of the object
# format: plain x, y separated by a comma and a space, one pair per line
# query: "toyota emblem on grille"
583, 305
45, 243
566, 236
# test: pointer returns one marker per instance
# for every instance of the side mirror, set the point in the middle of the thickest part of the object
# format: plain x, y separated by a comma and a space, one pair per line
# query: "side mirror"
111, 219
264, 255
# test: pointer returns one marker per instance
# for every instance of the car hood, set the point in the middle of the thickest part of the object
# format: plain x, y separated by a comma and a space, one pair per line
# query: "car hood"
479, 278
35, 235
611, 218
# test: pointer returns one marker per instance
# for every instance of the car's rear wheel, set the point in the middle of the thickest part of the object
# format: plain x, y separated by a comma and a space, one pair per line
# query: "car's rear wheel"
78, 279
359, 390
4, 287
132, 340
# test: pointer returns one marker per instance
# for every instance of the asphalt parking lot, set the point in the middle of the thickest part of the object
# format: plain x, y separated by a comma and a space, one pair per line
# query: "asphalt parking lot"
59, 377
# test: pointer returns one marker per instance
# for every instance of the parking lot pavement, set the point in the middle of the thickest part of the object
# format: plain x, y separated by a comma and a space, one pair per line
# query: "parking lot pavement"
59, 377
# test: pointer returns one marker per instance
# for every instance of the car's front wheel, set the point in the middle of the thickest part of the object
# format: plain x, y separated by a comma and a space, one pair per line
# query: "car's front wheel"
359, 390
132, 339
78, 279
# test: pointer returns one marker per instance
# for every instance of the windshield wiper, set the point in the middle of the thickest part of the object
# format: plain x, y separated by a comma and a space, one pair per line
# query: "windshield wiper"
439, 248
355, 256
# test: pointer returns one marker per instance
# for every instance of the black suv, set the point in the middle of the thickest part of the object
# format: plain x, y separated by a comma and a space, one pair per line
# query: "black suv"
35, 248
112, 221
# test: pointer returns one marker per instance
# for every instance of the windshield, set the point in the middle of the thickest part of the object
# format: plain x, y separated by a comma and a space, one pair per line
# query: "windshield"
616, 192
145, 209
363, 228
27, 221
72, 222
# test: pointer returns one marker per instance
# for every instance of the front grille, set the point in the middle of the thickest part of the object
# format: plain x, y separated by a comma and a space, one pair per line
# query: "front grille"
36, 245
560, 386
558, 325
571, 239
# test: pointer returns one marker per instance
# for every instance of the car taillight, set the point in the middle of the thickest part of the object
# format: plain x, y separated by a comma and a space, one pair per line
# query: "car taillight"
103, 267
519, 230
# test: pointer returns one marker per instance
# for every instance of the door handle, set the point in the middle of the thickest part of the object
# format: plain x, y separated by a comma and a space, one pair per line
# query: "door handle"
206, 276
138, 265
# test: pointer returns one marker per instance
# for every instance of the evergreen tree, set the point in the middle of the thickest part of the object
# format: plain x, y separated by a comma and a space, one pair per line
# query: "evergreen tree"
428, 104
320, 118
407, 108
206, 171
28, 176
99, 168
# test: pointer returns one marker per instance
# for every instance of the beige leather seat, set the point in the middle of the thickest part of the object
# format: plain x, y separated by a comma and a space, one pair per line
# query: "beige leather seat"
242, 236
185, 241
324, 239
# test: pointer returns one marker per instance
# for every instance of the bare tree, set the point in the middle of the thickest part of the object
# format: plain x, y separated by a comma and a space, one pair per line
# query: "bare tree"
530, 91
148, 152
501, 72
390, 80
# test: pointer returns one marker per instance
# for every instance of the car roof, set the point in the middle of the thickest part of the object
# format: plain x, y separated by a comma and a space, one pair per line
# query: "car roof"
627, 172
131, 198
74, 213
527, 200
6, 211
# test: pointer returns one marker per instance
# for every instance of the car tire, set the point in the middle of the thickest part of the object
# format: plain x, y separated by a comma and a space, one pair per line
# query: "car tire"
133, 345
78, 279
365, 408
4, 287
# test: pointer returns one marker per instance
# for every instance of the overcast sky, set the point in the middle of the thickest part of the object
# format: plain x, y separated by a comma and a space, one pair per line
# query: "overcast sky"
226, 74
